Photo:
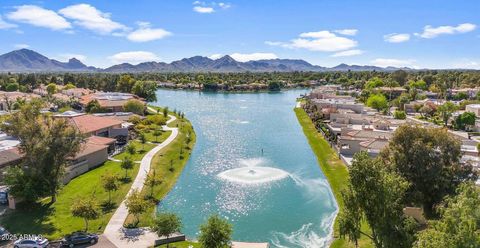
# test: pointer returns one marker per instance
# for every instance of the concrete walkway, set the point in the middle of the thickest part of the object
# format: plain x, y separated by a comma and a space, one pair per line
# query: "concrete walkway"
139, 237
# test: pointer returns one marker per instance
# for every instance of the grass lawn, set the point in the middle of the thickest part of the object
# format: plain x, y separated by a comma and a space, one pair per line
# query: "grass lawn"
140, 148
335, 171
183, 244
55, 220
161, 164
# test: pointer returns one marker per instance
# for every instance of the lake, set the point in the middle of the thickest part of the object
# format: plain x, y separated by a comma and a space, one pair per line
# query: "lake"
253, 166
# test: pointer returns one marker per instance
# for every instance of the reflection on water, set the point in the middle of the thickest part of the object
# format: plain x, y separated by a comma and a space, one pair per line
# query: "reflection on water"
252, 165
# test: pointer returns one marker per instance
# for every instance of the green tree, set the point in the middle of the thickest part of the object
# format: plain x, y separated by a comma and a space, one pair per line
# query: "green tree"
51, 89
399, 115
377, 101
157, 133
127, 164
69, 86
47, 144
459, 223
136, 205
143, 139
165, 224
375, 195
94, 107
130, 148
215, 233
151, 181
374, 83
274, 86
12, 87
429, 159
125, 83
134, 106
464, 120
446, 110
165, 112
109, 183
146, 90
86, 209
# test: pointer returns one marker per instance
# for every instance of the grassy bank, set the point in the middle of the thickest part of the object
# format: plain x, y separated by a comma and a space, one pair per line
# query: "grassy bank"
333, 169
55, 220
168, 165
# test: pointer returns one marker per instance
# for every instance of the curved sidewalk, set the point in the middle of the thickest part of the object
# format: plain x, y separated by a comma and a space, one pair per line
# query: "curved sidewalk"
139, 237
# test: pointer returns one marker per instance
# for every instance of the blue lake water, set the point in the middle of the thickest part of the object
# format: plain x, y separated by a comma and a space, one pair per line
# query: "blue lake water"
232, 129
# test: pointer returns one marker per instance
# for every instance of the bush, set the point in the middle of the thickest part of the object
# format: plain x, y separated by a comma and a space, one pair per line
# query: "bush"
399, 115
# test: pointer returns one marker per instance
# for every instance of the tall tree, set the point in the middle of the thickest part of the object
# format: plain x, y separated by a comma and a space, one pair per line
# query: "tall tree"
136, 205
429, 159
459, 223
446, 110
151, 181
127, 164
134, 106
375, 195
125, 83
86, 209
165, 224
215, 233
377, 101
109, 183
47, 145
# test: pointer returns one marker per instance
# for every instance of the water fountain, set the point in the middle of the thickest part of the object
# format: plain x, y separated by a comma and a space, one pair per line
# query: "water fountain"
252, 173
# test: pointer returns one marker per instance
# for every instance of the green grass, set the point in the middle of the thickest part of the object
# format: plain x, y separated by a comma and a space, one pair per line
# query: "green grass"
140, 148
55, 220
335, 171
151, 138
161, 165
182, 244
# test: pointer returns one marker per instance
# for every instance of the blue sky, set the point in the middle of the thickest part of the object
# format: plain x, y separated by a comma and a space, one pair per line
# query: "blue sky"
415, 33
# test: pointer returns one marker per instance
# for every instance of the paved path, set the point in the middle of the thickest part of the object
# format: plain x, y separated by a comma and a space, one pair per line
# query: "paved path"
139, 237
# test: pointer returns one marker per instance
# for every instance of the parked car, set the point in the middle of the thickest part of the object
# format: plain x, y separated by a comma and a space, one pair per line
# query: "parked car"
3, 195
31, 243
77, 238
3, 235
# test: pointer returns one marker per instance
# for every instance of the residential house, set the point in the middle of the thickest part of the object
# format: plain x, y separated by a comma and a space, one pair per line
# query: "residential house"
8, 99
111, 101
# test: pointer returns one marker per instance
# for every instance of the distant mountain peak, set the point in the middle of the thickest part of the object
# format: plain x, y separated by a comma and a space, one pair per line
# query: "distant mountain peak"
23, 60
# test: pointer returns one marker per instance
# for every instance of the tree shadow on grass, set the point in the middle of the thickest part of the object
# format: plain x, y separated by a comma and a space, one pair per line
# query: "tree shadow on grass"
31, 218
108, 206
125, 180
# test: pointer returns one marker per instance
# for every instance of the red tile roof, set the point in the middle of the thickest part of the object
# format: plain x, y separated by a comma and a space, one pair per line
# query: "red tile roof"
91, 123
100, 140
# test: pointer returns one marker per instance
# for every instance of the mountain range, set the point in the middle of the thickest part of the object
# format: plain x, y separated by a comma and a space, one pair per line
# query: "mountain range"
25, 60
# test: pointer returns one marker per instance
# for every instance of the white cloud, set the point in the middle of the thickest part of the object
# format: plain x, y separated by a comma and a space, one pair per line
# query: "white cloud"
347, 53
67, 56
322, 41
351, 32
396, 38
383, 62
203, 10
6, 25
91, 18
38, 16
211, 7
133, 57
224, 5
21, 46
244, 57
215, 56
432, 32
144, 33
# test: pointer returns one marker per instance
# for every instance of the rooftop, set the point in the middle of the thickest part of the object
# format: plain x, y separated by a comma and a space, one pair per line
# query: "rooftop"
91, 123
